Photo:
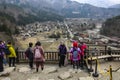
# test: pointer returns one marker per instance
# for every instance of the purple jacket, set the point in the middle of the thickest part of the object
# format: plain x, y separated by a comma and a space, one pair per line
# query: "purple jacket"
2, 46
62, 50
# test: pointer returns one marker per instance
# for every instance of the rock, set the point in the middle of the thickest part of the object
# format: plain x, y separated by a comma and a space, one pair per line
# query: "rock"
51, 79
50, 70
24, 69
74, 70
118, 70
78, 71
10, 69
86, 78
6, 78
7, 71
65, 75
4, 74
71, 70
33, 78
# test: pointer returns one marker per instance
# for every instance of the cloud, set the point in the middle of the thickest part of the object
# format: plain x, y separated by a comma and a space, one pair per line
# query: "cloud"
100, 3
115, 1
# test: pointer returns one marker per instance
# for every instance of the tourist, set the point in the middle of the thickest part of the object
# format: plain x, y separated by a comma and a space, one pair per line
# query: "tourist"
62, 53
17, 54
39, 56
75, 54
82, 48
109, 53
30, 55
12, 56
1, 56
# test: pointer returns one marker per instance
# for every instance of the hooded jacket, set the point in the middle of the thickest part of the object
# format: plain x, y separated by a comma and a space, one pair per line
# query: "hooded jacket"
12, 51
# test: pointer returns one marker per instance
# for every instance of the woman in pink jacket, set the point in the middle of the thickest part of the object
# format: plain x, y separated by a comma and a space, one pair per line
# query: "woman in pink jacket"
39, 56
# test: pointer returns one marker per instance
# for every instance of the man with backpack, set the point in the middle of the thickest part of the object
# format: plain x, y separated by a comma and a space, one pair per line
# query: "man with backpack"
62, 54
29, 55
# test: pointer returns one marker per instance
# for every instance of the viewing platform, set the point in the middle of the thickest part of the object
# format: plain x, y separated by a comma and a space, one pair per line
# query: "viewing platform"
53, 72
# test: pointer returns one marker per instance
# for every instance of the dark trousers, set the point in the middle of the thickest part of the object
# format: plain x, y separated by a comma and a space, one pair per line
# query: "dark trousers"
1, 64
82, 61
39, 63
61, 61
31, 63
11, 61
76, 63
17, 59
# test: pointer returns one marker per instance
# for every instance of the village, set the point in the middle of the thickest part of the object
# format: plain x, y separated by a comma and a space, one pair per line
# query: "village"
51, 33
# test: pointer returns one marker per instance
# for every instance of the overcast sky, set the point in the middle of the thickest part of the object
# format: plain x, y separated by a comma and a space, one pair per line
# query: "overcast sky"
100, 3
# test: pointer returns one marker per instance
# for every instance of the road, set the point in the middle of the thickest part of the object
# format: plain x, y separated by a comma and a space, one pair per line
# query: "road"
71, 35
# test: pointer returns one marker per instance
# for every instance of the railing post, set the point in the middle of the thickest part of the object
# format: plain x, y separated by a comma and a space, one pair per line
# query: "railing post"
96, 66
96, 73
90, 70
111, 72
105, 49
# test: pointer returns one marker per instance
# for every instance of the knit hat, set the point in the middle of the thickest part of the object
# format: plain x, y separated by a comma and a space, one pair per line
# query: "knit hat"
75, 44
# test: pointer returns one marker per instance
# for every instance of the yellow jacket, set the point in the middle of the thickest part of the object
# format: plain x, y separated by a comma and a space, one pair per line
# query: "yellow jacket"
12, 51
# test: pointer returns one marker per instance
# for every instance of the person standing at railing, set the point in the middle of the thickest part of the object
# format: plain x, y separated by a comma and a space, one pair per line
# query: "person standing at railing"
82, 47
17, 54
1, 56
75, 54
12, 56
62, 51
109, 53
29, 55
39, 56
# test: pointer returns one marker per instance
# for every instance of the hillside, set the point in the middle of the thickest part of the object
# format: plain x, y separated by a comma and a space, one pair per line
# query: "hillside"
115, 6
111, 27
68, 8
12, 15
24, 14
72, 9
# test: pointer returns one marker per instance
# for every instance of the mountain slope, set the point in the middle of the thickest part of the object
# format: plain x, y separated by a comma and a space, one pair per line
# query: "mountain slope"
12, 15
25, 14
68, 8
73, 9
111, 27
115, 6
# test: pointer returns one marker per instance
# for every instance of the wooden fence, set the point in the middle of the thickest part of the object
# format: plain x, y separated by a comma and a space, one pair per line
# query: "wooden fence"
53, 56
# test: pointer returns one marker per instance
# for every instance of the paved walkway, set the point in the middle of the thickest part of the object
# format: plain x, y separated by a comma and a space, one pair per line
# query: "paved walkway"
75, 74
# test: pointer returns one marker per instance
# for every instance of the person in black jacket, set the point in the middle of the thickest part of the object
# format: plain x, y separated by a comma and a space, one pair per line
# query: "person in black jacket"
30, 55
62, 53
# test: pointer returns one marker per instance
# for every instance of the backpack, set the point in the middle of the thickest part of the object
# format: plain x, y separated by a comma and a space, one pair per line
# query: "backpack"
6, 50
75, 54
37, 53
